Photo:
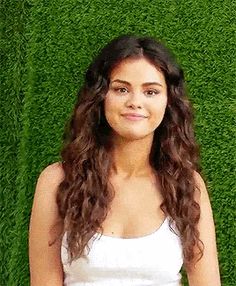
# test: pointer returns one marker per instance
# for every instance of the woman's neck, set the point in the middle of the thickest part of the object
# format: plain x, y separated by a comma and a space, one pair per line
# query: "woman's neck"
131, 158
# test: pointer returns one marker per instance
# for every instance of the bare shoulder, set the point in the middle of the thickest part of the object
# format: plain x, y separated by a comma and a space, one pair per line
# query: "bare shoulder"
53, 173
202, 192
50, 178
44, 203
47, 187
198, 177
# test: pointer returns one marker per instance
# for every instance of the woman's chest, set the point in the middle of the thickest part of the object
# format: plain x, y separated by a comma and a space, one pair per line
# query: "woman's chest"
135, 210
152, 260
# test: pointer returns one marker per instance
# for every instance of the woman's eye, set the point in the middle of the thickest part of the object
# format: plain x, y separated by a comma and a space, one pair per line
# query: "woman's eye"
152, 92
120, 89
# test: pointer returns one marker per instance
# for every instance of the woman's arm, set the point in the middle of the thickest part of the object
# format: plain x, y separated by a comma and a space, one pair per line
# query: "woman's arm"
45, 262
206, 271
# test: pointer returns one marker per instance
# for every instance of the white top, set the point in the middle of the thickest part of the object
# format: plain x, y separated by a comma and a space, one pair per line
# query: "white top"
154, 259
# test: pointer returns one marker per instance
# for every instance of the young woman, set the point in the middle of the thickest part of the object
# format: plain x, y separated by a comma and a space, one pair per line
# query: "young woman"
127, 205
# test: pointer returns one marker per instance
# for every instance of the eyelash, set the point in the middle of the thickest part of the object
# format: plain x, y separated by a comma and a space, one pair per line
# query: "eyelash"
153, 90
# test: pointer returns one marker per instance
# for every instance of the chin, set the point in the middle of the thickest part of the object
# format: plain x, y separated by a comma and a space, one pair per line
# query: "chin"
134, 136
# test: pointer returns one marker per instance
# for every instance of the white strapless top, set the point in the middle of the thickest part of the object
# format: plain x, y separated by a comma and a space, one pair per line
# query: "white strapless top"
151, 260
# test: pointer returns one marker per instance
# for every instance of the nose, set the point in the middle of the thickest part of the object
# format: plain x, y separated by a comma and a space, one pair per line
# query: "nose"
134, 100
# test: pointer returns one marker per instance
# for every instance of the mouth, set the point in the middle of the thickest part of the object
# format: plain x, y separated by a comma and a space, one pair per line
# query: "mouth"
134, 117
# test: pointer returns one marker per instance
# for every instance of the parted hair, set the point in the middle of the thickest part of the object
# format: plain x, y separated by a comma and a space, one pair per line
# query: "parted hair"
84, 196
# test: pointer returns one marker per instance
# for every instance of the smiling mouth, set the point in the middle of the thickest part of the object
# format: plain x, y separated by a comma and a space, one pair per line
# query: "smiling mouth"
134, 118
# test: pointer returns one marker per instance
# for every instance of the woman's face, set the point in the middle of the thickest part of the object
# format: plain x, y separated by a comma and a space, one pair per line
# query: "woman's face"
136, 86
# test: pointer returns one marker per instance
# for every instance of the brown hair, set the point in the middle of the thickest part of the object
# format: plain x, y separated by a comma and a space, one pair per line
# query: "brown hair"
85, 195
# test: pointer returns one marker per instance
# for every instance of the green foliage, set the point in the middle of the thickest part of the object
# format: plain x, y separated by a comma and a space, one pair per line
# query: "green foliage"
46, 47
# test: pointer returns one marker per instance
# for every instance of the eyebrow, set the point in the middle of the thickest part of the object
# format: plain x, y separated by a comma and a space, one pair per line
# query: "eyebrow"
144, 84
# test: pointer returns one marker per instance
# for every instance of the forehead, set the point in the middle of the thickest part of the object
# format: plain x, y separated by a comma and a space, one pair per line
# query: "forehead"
137, 69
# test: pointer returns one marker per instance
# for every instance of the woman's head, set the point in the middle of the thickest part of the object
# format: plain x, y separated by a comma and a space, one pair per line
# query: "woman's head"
85, 196
139, 59
136, 87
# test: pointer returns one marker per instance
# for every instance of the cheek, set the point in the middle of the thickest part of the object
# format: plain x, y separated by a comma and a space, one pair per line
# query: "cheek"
111, 108
108, 106
158, 112
111, 104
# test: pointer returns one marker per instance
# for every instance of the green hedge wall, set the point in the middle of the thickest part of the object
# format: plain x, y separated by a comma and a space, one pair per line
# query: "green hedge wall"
46, 47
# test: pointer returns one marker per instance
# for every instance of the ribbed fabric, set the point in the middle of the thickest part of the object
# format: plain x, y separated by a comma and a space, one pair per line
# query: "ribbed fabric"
154, 259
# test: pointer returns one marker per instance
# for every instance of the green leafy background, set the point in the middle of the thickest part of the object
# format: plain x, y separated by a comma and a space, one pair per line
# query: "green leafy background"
46, 47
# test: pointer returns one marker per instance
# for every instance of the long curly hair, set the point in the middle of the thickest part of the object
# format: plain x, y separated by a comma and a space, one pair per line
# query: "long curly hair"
84, 196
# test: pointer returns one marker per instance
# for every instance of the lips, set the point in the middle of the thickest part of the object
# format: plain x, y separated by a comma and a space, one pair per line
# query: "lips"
133, 115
